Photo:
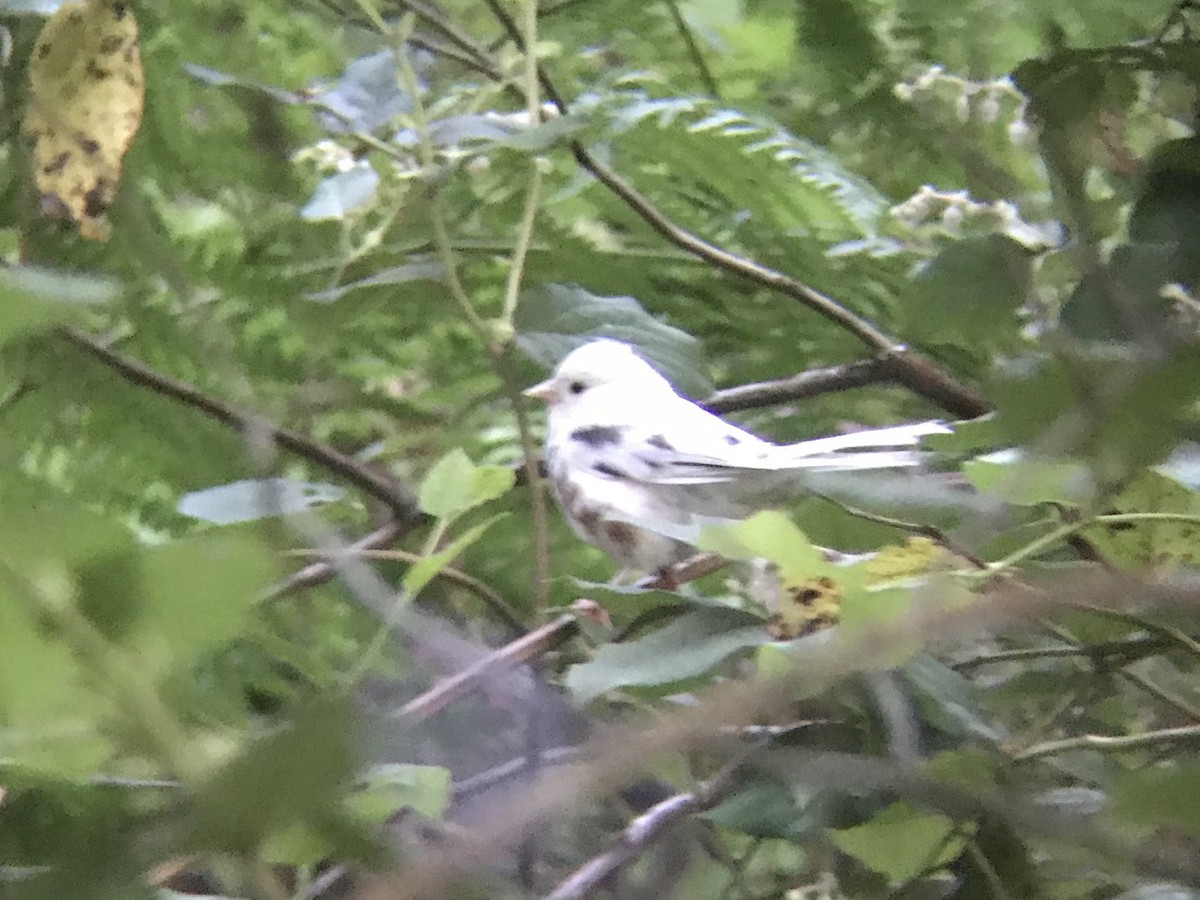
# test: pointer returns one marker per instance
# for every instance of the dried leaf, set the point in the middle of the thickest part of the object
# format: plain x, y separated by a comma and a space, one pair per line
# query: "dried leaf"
86, 89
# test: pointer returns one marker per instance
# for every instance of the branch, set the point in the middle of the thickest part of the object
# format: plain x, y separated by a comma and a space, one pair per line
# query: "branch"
325, 569
804, 384
642, 832
523, 649
915, 372
378, 485
484, 592
1110, 743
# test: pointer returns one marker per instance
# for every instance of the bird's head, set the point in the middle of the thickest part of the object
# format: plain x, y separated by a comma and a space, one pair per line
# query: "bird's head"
602, 363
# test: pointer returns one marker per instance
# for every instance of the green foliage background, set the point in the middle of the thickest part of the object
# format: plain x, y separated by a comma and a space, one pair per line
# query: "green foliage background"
340, 249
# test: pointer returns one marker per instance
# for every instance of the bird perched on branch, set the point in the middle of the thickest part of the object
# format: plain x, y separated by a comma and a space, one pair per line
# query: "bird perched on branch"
637, 469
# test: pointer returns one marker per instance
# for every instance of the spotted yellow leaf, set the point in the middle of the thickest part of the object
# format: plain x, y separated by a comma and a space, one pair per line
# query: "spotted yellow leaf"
806, 607
86, 89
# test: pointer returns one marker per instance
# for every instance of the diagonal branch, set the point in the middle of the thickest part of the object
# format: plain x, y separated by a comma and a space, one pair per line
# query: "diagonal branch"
323, 570
809, 383
643, 832
523, 649
377, 484
914, 371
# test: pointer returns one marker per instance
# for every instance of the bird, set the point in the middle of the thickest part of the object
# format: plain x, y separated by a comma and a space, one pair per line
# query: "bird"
637, 469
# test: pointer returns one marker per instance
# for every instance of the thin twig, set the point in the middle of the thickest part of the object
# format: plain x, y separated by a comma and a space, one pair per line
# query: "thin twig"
643, 832
511, 770
371, 481
536, 643
497, 355
693, 49
1103, 743
326, 569
447, 27
921, 529
1148, 646
490, 597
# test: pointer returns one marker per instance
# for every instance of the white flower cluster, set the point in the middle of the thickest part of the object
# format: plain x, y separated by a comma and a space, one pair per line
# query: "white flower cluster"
326, 156
984, 100
954, 209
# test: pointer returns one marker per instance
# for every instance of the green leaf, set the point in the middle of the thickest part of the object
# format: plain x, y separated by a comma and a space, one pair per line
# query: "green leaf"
871, 609
970, 292
686, 648
1030, 482
949, 700
1114, 407
1162, 545
554, 319
425, 570
34, 299
195, 594
900, 843
393, 787
261, 498
1161, 796
455, 485
755, 164
768, 535
289, 777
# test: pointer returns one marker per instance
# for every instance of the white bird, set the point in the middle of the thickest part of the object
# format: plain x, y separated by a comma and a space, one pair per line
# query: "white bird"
637, 469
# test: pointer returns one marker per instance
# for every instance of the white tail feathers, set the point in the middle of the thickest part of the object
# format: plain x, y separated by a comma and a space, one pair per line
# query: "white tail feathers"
897, 436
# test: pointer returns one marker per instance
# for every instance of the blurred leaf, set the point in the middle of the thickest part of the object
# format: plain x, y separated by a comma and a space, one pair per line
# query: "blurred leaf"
872, 609
548, 134
753, 162
948, 700
1161, 796
766, 808
195, 594
1116, 407
555, 319
1161, 891
263, 498
455, 485
339, 195
387, 789
970, 292
1159, 545
840, 35
288, 777
34, 299
1123, 303
628, 601
1030, 482
418, 269
685, 648
368, 94
900, 843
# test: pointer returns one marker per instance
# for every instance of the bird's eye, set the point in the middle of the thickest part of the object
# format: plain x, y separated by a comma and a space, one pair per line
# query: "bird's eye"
576, 387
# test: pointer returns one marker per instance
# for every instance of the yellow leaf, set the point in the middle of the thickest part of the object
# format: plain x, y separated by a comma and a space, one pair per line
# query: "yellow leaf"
86, 89
916, 557
806, 607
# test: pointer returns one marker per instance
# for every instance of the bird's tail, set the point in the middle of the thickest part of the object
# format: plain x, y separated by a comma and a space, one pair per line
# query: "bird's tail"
877, 448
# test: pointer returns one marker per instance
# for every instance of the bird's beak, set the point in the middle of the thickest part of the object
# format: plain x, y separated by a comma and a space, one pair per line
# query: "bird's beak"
545, 391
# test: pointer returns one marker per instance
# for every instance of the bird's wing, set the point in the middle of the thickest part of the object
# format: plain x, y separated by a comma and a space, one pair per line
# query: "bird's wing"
696, 447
